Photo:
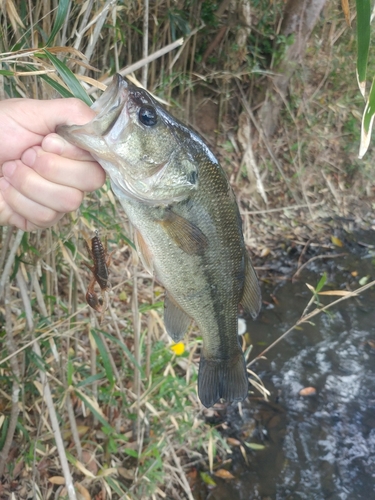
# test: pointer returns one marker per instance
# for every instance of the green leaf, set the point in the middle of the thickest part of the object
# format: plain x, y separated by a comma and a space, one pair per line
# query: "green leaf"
6, 72
367, 121
364, 280
104, 355
147, 307
130, 452
4, 432
70, 246
24, 431
90, 380
59, 88
96, 414
123, 347
70, 372
116, 486
255, 446
62, 12
69, 78
322, 282
207, 479
363, 41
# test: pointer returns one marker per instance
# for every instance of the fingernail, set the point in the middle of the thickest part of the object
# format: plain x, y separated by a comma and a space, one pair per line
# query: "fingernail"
29, 157
53, 143
9, 168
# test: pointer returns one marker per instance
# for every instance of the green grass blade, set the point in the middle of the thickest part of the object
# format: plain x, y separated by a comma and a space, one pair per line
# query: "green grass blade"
69, 78
69, 372
59, 88
62, 11
104, 355
322, 282
116, 486
96, 414
90, 380
123, 347
363, 41
367, 121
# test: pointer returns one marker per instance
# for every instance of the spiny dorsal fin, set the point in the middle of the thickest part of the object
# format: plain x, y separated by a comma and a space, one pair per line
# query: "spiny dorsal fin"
251, 296
185, 234
176, 321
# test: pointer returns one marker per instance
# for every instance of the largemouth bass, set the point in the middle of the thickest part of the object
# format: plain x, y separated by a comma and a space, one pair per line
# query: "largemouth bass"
187, 226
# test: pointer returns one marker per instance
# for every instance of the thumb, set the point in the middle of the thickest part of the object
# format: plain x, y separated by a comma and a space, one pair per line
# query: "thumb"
56, 112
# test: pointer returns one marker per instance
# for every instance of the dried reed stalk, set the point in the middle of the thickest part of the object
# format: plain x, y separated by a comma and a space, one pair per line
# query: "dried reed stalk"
9, 263
134, 67
47, 392
145, 43
11, 346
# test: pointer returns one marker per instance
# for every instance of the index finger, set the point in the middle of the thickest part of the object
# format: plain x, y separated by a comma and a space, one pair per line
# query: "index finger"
54, 143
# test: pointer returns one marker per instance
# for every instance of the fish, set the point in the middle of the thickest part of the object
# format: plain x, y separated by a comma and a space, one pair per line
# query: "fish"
187, 226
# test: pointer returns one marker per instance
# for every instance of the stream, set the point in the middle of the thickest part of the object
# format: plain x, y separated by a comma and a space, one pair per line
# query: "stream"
321, 446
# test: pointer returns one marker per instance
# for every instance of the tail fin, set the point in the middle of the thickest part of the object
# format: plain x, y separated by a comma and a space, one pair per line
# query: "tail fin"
221, 378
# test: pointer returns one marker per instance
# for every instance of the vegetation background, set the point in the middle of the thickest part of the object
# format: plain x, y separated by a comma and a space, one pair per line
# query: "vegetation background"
112, 407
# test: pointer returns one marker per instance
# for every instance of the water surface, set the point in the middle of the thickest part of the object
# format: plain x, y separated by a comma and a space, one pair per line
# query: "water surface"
322, 446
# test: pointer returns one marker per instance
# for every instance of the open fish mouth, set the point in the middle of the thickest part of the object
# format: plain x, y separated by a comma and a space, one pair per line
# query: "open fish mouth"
109, 107
116, 88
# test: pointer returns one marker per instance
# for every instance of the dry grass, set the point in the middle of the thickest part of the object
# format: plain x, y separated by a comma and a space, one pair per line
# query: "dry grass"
128, 423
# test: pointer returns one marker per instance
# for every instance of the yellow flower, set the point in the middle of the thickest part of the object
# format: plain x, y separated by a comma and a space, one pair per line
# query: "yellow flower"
178, 349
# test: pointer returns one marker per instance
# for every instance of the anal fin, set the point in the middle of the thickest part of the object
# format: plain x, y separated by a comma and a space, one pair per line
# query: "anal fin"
176, 321
251, 296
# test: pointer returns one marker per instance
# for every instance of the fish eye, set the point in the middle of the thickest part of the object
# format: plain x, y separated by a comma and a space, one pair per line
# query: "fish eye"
147, 116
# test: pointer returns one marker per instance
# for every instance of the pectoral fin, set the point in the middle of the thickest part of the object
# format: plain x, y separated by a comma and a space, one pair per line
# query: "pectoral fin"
176, 321
143, 252
185, 234
251, 297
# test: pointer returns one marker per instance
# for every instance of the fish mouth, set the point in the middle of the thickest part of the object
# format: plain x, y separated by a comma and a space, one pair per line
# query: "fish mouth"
111, 112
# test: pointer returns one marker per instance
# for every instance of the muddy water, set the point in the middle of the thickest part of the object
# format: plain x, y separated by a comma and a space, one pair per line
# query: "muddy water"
322, 446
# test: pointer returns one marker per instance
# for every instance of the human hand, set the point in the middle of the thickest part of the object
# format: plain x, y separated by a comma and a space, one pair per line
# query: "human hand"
41, 175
